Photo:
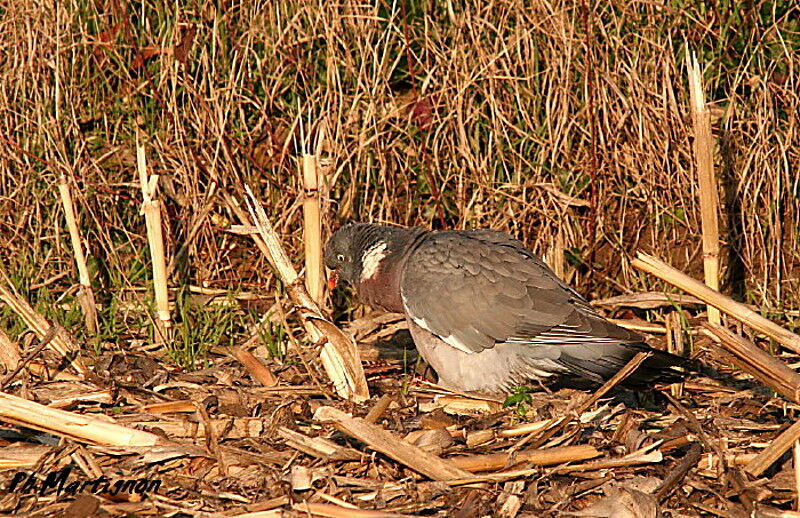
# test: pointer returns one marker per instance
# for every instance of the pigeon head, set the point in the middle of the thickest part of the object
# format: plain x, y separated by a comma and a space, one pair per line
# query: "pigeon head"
362, 253
355, 248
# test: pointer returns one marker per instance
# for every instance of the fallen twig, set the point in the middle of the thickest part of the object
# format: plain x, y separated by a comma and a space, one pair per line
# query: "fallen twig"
539, 457
677, 474
385, 442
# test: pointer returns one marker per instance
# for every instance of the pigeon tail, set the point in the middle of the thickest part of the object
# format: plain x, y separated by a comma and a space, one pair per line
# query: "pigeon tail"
599, 363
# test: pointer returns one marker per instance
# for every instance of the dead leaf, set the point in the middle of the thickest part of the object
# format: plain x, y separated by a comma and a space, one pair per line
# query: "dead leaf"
146, 53
432, 441
104, 41
422, 113
622, 502
185, 45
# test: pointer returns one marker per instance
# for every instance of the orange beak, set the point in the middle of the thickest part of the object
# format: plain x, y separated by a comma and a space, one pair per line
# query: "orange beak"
333, 280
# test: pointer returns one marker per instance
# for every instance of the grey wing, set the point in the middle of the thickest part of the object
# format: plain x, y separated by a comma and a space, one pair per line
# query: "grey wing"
475, 289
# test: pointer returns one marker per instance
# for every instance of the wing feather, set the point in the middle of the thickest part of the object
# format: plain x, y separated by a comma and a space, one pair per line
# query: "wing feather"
480, 288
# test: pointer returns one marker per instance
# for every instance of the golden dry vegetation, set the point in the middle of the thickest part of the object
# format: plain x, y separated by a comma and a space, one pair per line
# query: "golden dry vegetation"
565, 123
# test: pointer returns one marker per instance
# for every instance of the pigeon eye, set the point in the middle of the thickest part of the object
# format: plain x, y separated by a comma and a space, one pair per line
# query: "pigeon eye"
340, 258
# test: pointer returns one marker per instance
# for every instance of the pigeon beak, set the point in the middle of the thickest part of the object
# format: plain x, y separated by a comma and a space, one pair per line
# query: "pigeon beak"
333, 280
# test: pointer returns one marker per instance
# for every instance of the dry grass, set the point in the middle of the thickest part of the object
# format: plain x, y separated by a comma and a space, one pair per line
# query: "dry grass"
564, 123
423, 113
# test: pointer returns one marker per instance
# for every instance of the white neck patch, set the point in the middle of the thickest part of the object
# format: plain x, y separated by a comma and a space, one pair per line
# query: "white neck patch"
372, 260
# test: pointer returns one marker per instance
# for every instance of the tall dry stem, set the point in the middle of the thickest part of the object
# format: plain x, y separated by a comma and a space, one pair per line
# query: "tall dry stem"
709, 198
86, 294
151, 208
312, 228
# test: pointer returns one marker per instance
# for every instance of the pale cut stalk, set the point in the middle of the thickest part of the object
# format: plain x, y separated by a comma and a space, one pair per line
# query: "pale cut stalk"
86, 294
151, 208
727, 305
339, 355
709, 198
317, 446
312, 228
63, 343
83, 429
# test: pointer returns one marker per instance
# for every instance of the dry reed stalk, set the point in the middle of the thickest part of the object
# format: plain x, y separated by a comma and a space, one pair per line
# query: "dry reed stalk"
639, 457
312, 228
385, 442
774, 451
796, 461
647, 455
339, 355
709, 198
274, 513
764, 367
377, 411
104, 397
86, 294
528, 428
22, 456
555, 255
675, 345
539, 457
711, 462
640, 325
62, 343
206, 427
765, 511
647, 300
724, 303
151, 208
18, 411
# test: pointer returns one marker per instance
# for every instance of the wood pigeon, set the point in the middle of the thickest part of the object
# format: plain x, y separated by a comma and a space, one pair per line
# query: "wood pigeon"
485, 312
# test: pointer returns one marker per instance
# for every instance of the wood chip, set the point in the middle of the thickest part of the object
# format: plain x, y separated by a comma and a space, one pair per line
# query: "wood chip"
317, 446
